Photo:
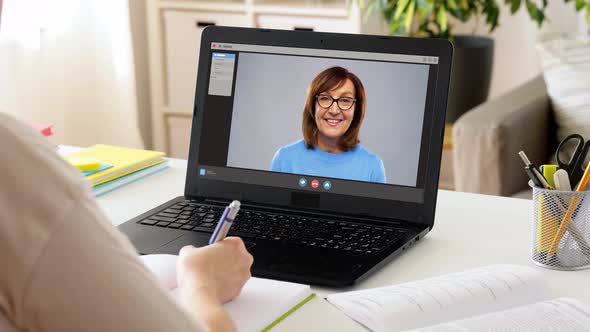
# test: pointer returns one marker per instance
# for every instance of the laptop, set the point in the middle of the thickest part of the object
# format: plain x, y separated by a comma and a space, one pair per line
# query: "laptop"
331, 142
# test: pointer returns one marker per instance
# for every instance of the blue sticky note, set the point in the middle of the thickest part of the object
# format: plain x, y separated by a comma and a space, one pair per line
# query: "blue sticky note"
102, 168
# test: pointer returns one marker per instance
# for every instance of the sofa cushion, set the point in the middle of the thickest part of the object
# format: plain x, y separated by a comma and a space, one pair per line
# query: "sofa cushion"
566, 69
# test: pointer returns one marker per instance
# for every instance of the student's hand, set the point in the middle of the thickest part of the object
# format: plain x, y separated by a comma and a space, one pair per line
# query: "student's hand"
219, 270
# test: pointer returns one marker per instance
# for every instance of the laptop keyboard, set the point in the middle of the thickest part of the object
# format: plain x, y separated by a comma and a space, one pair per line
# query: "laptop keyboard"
286, 228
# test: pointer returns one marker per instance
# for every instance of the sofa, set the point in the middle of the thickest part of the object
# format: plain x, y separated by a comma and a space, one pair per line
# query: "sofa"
487, 139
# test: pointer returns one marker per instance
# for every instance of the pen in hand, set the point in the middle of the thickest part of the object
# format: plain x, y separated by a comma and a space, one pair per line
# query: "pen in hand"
225, 222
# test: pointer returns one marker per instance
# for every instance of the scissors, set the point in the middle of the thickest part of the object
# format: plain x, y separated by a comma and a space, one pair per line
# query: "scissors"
575, 166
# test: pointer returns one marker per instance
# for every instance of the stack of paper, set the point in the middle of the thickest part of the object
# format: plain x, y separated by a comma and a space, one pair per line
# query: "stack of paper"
119, 166
489, 298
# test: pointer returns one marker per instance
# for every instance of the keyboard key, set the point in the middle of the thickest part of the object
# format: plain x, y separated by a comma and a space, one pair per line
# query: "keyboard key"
175, 225
167, 215
174, 211
149, 222
207, 224
169, 220
187, 227
162, 224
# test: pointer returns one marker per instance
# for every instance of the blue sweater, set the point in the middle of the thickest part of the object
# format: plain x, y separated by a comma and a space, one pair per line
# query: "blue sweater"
356, 164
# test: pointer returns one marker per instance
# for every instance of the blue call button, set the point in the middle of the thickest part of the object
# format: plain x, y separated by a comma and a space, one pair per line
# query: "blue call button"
302, 182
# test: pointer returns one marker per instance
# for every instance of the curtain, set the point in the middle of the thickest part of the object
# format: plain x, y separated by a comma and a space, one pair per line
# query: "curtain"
70, 63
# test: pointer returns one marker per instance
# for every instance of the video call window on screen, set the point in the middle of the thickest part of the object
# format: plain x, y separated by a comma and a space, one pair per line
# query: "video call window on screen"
323, 113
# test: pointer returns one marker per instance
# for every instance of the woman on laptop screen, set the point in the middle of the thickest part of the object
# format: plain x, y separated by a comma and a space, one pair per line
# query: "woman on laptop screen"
332, 118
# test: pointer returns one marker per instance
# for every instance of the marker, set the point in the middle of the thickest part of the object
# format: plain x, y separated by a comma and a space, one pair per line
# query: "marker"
225, 222
548, 173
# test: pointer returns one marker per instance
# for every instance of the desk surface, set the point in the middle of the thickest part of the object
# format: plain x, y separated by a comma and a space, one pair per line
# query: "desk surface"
470, 230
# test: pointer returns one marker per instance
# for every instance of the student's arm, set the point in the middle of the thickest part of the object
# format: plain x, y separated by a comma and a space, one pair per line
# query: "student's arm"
66, 268
212, 275
88, 278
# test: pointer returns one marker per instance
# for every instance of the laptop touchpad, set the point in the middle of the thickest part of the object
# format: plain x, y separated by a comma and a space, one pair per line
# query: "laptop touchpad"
193, 238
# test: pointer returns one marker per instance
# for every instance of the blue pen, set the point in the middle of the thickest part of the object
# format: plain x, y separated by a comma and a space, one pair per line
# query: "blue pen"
225, 222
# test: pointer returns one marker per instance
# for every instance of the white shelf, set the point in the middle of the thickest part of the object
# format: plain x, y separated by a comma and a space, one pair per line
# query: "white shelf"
302, 11
174, 34
199, 5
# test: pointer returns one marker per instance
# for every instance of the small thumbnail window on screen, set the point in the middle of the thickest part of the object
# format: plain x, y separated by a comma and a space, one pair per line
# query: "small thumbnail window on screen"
334, 118
222, 74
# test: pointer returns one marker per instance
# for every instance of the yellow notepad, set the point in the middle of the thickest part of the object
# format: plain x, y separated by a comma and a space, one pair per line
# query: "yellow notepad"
124, 160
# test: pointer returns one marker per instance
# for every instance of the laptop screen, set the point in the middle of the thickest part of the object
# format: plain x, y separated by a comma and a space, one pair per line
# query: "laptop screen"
318, 120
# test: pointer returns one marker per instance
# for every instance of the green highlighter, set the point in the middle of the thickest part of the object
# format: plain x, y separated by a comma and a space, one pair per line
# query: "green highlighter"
548, 171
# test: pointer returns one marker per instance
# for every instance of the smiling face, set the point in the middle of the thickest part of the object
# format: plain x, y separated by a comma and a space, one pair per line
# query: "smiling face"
333, 122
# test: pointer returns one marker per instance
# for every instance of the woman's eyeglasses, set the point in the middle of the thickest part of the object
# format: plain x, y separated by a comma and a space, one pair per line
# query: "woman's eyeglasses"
344, 103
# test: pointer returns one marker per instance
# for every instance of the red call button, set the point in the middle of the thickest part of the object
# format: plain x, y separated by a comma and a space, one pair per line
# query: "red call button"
315, 183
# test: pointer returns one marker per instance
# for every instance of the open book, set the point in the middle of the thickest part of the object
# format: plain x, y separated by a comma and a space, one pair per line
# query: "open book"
493, 298
261, 305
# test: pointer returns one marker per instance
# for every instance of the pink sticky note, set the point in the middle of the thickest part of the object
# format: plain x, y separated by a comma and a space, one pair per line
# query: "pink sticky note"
44, 129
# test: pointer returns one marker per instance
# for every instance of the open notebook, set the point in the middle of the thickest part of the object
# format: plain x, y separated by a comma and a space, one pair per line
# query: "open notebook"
494, 298
261, 305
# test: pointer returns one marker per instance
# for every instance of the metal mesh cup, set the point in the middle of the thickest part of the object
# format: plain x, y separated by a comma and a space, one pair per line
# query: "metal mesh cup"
561, 229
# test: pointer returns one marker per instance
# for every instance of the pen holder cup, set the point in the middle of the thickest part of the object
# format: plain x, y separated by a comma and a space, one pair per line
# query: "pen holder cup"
561, 229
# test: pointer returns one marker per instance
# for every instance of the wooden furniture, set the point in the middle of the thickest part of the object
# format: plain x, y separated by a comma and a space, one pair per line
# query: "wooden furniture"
174, 30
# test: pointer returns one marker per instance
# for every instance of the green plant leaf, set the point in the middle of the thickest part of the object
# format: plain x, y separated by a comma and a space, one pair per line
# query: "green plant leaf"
424, 13
394, 28
515, 5
441, 19
580, 4
535, 13
451, 4
588, 12
464, 4
401, 6
409, 17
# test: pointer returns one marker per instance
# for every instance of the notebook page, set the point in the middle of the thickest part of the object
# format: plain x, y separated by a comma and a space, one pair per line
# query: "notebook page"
563, 314
261, 302
444, 298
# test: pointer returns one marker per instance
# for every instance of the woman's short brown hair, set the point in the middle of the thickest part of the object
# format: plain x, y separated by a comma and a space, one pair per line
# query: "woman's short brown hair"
333, 78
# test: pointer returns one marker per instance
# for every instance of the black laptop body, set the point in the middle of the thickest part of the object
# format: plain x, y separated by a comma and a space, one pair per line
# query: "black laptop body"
312, 224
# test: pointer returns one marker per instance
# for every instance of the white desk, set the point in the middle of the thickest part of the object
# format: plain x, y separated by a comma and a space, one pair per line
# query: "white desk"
470, 230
